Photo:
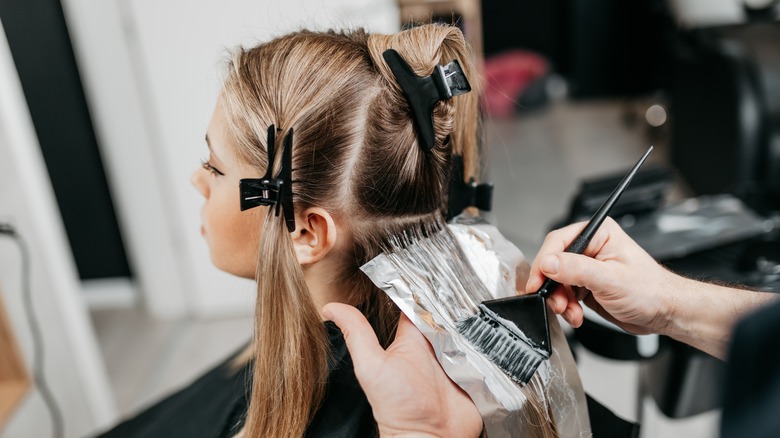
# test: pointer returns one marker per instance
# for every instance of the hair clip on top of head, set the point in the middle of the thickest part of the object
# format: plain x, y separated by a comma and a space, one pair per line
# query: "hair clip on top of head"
424, 92
269, 190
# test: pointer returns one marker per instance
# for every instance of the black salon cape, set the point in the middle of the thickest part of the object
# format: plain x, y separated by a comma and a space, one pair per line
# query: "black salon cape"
751, 398
214, 406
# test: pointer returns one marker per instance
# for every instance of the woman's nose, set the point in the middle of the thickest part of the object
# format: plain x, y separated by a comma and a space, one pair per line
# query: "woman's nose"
198, 181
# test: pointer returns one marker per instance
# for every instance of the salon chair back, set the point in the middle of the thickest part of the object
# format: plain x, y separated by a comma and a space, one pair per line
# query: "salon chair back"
725, 111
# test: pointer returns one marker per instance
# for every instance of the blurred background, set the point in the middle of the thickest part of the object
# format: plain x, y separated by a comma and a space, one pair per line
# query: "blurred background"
103, 109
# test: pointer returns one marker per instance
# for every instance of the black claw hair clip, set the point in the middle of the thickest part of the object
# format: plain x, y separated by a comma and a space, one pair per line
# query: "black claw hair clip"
466, 194
424, 92
269, 190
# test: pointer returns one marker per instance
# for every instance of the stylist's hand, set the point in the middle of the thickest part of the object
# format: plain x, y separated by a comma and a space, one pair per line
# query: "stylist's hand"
614, 276
408, 390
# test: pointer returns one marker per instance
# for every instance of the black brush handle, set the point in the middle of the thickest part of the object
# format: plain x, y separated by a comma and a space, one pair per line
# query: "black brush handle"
583, 239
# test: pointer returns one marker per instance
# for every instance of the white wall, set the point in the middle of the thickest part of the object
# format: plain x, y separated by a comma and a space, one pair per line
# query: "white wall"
73, 366
141, 201
175, 50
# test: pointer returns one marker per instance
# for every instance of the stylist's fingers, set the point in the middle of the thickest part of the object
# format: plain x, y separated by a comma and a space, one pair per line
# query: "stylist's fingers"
559, 300
573, 313
563, 301
407, 332
557, 241
576, 270
360, 338
568, 296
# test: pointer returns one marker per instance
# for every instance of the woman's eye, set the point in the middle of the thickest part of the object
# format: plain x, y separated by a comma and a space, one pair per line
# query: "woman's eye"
213, 170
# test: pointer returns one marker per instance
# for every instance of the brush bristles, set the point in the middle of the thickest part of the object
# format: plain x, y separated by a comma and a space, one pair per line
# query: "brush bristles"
505, 349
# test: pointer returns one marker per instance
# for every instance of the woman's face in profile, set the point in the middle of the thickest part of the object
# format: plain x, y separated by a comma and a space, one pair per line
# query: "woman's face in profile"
232, 235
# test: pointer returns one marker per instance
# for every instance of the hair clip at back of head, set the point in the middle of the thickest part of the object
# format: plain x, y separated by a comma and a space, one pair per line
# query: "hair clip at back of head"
269, 190
465, 194
424, 92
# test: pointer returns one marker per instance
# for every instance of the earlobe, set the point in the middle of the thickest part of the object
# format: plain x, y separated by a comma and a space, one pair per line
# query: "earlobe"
314, 236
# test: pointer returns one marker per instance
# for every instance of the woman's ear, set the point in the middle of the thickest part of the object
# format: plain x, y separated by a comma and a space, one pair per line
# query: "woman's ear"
314, 236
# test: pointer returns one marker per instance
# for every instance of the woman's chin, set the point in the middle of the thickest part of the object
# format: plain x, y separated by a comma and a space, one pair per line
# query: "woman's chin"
230, 268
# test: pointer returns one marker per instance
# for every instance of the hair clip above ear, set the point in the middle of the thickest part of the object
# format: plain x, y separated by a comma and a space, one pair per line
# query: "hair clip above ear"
424, 92
269, 190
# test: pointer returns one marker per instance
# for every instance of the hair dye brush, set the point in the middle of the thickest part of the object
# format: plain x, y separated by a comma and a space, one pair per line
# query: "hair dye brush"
513, 332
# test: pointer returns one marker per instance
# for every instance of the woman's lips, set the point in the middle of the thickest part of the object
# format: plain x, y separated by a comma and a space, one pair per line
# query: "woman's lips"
202, 230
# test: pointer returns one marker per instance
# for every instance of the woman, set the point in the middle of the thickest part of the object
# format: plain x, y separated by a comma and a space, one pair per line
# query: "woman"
314, 163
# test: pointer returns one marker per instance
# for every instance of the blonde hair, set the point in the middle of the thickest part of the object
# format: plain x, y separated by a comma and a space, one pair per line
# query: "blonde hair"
355, 154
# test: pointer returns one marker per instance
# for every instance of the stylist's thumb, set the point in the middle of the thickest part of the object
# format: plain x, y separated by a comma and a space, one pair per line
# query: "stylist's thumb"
358, 335
575, 270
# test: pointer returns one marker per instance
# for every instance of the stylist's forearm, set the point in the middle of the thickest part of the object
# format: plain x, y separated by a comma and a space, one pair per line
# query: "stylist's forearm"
703, 315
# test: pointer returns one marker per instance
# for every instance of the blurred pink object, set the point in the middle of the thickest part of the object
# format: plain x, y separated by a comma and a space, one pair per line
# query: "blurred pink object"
507, 74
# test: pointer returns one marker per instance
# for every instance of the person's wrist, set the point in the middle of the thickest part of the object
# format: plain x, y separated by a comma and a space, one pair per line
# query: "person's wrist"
669, 291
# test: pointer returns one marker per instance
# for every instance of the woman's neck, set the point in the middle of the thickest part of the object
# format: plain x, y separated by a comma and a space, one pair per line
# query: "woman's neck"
323, 282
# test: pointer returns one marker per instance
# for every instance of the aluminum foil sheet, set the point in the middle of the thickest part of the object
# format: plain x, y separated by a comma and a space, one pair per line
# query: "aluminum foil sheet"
441, 279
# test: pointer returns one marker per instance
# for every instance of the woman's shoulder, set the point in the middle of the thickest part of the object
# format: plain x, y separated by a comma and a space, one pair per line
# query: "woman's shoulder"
344, 411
